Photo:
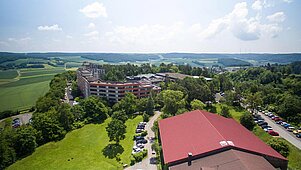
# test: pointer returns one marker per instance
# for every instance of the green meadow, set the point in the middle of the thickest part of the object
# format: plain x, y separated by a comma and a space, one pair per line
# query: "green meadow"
21, 92
84, 148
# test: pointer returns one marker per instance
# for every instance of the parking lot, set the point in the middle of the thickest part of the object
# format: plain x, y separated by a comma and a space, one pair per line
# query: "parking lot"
276, 124
148, 163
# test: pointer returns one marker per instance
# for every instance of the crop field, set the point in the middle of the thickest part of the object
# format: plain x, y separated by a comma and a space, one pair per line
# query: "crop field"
84, 148
22, 92
9, 74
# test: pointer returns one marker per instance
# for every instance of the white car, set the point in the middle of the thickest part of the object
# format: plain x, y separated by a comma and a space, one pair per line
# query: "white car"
268, 128
291, 128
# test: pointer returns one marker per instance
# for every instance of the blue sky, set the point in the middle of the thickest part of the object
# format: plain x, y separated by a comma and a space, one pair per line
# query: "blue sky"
150, 26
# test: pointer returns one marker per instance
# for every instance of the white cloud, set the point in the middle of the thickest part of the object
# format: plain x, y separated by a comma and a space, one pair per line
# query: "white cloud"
91, 25
288, 1
94, 10
257, 5
241, 26
69, 36
154, 36
92, 36
19, 40
54, 27
276, 17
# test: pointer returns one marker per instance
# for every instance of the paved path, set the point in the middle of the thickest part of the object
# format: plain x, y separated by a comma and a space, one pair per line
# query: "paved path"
146, 162
282, 132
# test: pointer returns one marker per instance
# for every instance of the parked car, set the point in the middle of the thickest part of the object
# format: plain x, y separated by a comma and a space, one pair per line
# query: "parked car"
273, 133
277, 119
139, 130
297, 131
286, 126
144, 141
268, 128
274, 117
140, 145
298, 135
139, 137
283, 123
279, 122
262, 123
290, 128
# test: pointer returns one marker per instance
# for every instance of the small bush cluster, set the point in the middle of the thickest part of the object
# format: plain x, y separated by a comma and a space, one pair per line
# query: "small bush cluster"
137, 157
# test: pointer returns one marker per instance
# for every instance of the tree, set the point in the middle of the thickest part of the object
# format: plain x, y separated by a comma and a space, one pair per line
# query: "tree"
173, 101
254, 100
44, 104
25, 141
150, 105
7, 152
78, 112
95, 109
128, 104
197, 104
247, 121
48, 126
225, 112
232, 98
120, 115
66, 118
280, 146
116, 130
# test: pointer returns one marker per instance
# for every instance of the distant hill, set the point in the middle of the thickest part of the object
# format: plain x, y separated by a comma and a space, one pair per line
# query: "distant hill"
129, 57
232, 62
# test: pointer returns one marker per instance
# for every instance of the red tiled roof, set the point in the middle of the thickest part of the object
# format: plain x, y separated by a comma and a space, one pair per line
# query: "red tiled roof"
200, 132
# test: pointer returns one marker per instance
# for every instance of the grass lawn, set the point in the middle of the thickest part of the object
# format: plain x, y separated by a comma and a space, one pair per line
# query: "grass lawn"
85, 146
294, 158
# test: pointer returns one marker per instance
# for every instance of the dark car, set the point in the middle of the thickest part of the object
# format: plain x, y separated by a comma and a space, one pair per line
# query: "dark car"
298, 135
262, 123
144, 141
139, 130
140, 126
139, 137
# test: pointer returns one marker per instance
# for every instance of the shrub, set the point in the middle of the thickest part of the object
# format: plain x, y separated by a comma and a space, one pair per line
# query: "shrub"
137, 157
145, 117
144, 133
247, 121
280, 146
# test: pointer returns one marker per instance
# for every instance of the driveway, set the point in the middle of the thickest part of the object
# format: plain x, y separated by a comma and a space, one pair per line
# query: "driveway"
146, 164
282, 132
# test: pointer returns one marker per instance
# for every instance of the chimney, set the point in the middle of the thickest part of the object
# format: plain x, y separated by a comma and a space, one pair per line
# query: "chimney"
189, 158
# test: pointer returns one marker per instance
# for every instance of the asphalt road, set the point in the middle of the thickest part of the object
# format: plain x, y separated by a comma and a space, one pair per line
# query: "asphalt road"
146, 163
289, 136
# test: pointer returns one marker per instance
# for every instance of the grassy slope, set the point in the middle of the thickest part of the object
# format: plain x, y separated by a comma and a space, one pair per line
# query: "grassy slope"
84, 145
23, 96
295, 154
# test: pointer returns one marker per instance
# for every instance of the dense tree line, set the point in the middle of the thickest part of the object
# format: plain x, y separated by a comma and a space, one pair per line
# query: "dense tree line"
274, 87
119, 72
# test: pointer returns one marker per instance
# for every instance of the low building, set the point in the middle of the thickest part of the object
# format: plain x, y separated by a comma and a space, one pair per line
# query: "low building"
90, 83
199, 140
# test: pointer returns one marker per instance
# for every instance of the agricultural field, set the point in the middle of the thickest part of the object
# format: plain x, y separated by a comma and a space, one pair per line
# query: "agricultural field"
19, 92
84, 148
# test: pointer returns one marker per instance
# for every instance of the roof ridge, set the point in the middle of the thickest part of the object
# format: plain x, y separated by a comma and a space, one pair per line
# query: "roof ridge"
212, 125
